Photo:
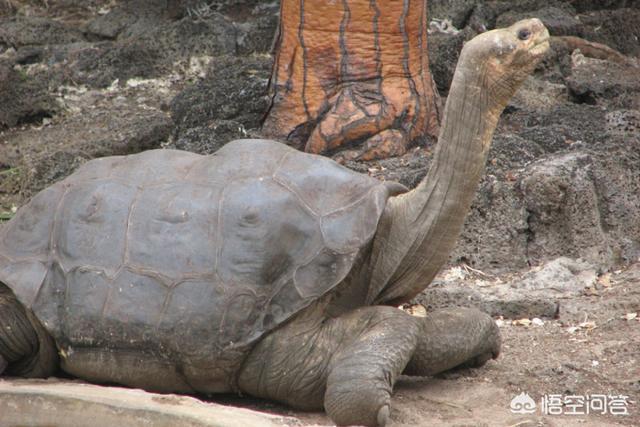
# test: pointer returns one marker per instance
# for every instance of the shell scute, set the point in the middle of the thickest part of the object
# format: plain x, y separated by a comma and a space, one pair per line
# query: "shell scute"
87, 295
92, 225
153, 167
180, 218
321, 183
132, 310
192, 309
265, 233
29, 235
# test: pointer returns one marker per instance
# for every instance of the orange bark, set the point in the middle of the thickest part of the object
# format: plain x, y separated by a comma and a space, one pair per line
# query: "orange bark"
352, 73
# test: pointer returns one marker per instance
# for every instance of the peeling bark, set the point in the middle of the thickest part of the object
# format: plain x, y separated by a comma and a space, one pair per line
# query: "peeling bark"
352, 74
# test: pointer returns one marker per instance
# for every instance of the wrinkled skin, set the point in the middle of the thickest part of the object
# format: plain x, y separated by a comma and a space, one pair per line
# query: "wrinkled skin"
344, 347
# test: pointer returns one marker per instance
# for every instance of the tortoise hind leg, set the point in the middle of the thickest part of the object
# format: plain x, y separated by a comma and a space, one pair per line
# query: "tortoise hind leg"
26, 349
454, 338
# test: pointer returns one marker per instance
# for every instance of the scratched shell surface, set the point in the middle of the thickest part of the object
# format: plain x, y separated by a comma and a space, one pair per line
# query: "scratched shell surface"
186, 253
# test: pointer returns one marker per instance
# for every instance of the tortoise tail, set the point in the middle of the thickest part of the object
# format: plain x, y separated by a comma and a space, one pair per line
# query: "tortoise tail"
26, 348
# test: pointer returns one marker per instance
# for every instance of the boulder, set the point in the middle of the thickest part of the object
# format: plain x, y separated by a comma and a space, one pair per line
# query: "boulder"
24, 98
19, 30
616, 28
457, 11
229, 102
593, 80
559, 22
44, 155
536, 292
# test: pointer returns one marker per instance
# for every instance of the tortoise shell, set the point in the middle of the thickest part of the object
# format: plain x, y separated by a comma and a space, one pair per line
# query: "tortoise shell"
188, 253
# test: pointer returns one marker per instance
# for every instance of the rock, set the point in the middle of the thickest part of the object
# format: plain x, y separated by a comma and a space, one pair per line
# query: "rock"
539, 96
495, 234
209, 139
444, 50
67, 403
6, 8
408, 169
23, 98
566, 183
239, 8
592, 5
563, 127
148, 49
213, 35
482, 18
440, 295
100, 64
563, 210
504, 6
257, 33
617, 181
561, 277
563, 196
457, 11
136, 17
252, 32
617, 28
531, 293
559, 22
111, 24
509, 153
18, 31
624, 123
232, 96
561, 181
591, 80
50, 153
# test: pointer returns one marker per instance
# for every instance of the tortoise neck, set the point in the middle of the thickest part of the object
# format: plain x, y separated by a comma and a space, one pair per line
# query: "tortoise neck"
422, 226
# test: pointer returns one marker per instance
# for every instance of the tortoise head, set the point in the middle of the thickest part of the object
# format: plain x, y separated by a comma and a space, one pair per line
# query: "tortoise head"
503, 58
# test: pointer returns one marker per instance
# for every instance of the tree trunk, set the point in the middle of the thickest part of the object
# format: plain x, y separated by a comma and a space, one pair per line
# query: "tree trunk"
352, 74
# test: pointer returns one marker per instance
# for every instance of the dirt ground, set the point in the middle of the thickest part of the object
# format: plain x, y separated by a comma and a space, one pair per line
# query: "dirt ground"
587, 348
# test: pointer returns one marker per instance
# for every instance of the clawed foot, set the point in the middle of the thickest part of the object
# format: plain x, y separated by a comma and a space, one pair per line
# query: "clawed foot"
362, 372
363, 402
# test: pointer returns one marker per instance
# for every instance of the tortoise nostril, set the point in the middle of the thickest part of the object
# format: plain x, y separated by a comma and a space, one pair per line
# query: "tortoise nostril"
524, 34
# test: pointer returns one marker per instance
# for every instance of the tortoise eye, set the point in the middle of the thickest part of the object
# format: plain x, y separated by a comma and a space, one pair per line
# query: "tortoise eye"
524, 34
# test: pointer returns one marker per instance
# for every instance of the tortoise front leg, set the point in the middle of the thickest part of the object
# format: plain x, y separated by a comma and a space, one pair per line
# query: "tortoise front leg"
363, 372
452, 338
348, 364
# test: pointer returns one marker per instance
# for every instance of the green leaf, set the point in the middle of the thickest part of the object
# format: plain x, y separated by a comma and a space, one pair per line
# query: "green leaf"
6, 216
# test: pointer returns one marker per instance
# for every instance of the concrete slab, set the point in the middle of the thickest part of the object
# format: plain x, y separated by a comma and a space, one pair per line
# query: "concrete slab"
40, 403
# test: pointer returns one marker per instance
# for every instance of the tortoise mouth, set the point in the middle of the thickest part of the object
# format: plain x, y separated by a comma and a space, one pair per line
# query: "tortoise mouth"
541, 44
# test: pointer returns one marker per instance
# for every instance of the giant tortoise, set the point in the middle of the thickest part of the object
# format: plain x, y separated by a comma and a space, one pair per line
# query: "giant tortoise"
258, 269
